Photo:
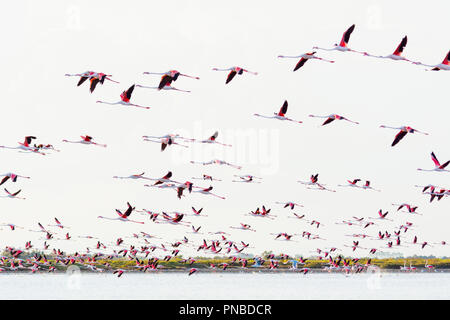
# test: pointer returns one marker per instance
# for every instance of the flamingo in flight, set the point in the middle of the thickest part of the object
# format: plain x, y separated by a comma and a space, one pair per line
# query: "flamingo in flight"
397, 54
303, 58
207, 191
289, 204
125, 99
212, 139
133, 176
11, 176
343, 45
123, 216
437, 165
167, 86
280, 115
93, 77
330, 118
402, 133
247, 179
26, 146
13, 195
86, 140
169, 76
233, 72
206, 177
217, 161
166, 140
444, 65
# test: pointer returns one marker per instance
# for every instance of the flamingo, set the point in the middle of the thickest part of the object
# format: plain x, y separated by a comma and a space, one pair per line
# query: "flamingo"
93, 77
444, 65
330, 118
289, 204
280, 115
217, 161
397, 54
58, 224
123, 216
303, 58
11, 176
437, 165
166, 140
86, 140
11, 226
206, 177
212, 139
25, 146
133, 177
125, 99
233, 72
343, 45
169, 76
167, 86
247, 179
13, 195
207, 191
314, 182
243, 226
402, 133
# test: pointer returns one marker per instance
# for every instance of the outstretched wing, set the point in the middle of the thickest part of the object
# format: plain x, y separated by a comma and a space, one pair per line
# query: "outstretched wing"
82, 79
401, 46
283, 109
329, 120
4, 180
230, 76
399, 137
129, 92
346, 36
300, 64
165, 80
435, 160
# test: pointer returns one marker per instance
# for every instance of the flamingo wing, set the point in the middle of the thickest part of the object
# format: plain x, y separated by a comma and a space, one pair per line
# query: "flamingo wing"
231, 76
82, 79
300, 64
129, 92
346, 36
329, 120
401, 46
94, 82
399, 137
435, 160
283, 109
165, 80
4, 180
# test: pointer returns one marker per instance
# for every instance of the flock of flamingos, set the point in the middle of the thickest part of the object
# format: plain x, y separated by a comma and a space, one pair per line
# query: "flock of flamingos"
148, 245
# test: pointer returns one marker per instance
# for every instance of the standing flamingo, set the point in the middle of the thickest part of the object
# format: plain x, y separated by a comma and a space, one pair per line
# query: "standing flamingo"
125, 99
303, 58
280, 115
233, 72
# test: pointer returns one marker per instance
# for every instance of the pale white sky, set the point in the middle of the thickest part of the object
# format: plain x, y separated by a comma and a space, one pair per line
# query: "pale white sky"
44, 40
